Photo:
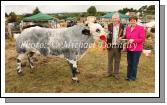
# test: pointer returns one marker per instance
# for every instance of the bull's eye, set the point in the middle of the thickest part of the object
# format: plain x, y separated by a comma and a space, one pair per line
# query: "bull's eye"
98, 30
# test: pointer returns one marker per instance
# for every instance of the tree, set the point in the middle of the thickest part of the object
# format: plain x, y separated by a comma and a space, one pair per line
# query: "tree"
143, 8
12, 17
125, 10
98, 14
151, 10
84, 14
6, 15
92, 11
147, 10
36, 11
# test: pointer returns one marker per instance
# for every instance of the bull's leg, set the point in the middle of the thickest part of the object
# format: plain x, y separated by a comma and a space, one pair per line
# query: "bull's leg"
30, 60
73, 65
77, 71
18, 61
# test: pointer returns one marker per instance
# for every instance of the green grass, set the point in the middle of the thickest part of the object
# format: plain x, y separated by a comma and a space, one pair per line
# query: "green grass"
52, 75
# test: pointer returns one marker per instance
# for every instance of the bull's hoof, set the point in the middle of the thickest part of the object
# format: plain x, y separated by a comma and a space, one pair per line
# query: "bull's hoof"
75, 80
20, 73
31, 67
77, 72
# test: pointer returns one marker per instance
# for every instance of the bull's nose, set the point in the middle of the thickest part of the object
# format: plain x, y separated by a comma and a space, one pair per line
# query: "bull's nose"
103, 37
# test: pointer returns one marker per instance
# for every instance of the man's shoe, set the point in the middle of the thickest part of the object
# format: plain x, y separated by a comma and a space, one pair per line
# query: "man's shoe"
109, 75
116, 76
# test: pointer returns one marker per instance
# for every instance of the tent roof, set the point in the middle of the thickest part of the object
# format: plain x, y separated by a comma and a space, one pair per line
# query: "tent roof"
71, 18
110, 14
39, 17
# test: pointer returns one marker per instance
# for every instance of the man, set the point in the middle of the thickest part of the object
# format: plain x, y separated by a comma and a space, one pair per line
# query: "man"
116, 30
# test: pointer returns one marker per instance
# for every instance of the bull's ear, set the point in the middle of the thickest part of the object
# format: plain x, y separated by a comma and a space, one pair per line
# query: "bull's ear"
86, 31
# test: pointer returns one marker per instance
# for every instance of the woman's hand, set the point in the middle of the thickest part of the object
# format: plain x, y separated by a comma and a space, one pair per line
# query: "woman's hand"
130, 41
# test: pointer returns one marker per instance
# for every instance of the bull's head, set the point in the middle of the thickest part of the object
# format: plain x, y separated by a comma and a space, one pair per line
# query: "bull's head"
94, 29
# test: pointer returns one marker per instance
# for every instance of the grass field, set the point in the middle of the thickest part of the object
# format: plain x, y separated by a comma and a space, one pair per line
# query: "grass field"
52, 74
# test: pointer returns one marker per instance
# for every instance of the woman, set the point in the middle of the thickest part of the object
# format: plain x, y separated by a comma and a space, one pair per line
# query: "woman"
135, 35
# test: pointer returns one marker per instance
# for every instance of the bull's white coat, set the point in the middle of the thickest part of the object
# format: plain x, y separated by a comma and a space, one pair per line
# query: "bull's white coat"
69, 43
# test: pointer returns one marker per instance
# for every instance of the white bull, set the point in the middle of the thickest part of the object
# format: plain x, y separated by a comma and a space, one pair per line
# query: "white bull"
70, 42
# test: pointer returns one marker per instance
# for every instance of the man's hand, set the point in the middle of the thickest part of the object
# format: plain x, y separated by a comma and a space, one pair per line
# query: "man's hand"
119, 39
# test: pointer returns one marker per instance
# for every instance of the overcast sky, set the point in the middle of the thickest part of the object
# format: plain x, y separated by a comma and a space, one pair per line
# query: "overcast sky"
22, 9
